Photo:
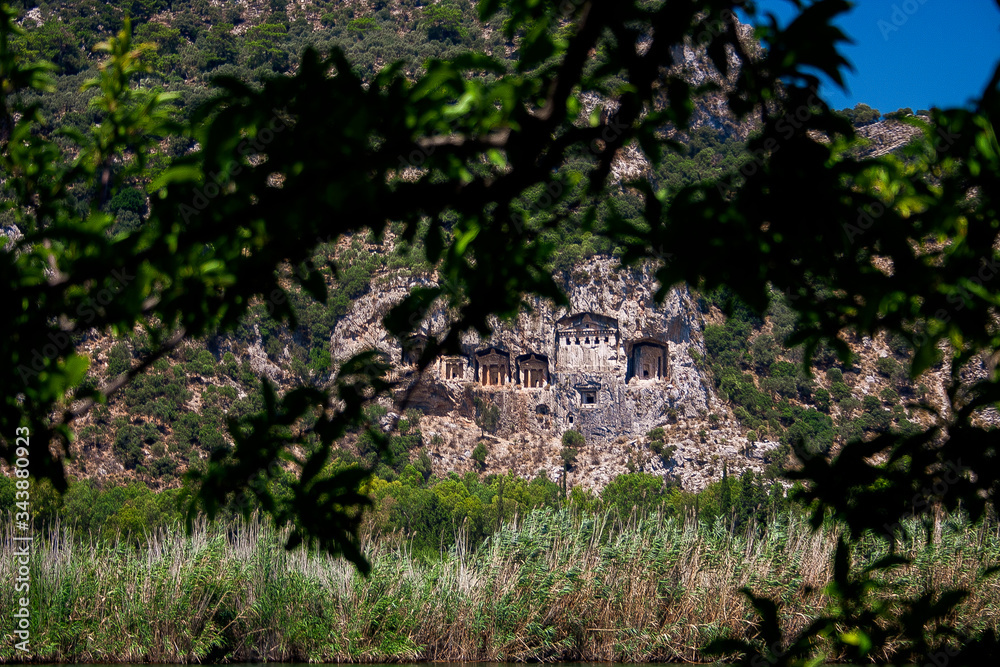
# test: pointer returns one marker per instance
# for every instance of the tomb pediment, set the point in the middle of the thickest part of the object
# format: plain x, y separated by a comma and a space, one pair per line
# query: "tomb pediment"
587, 322
589, 385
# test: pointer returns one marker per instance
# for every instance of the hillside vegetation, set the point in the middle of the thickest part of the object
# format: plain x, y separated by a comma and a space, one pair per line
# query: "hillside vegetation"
174, 416
223, 224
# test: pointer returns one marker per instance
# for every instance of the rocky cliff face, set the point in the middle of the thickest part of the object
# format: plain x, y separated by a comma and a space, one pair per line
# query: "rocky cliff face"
629, 400
885, 137
591, 367
613, 392
540, 371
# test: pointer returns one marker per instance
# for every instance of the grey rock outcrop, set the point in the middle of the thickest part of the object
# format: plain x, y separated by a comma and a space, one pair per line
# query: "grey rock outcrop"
624, 370
886, 136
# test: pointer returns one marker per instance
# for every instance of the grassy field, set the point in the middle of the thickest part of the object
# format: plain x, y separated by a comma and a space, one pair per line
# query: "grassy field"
549, 586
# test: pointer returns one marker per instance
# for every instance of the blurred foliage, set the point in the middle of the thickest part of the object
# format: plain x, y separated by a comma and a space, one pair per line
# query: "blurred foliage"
262, 169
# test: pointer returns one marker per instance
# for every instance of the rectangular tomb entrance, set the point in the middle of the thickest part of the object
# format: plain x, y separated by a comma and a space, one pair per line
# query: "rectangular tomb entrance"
588, 392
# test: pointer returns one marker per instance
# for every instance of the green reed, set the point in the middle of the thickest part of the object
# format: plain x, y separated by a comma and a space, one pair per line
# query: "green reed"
548, 586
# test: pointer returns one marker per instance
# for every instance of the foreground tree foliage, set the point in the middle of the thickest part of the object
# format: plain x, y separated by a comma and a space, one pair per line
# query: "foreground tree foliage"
905, 245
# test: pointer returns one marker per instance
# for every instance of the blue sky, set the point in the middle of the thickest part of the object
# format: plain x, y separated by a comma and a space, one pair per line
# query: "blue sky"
912, 53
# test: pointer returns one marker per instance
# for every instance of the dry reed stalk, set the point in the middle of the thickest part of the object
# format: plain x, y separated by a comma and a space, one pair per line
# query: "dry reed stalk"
548, 585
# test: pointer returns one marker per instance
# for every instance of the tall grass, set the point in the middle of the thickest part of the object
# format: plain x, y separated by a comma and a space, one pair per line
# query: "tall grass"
548, 586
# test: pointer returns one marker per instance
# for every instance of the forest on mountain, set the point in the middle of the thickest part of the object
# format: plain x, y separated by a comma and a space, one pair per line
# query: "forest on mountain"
183, 62
184, 179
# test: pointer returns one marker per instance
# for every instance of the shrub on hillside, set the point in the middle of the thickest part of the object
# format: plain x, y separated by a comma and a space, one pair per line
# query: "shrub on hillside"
573, 439
119, 359
128, 446
479, 456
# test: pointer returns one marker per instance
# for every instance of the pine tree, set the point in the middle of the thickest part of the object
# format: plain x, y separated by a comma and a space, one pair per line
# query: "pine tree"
725, 492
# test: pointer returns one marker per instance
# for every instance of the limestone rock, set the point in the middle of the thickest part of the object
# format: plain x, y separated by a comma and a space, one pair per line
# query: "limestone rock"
624, 366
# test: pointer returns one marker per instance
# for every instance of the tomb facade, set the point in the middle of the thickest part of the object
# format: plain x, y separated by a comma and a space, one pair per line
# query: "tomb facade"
533, 370
493, 367
648, 359
454, 369
587, 342
413, 348
580, 372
